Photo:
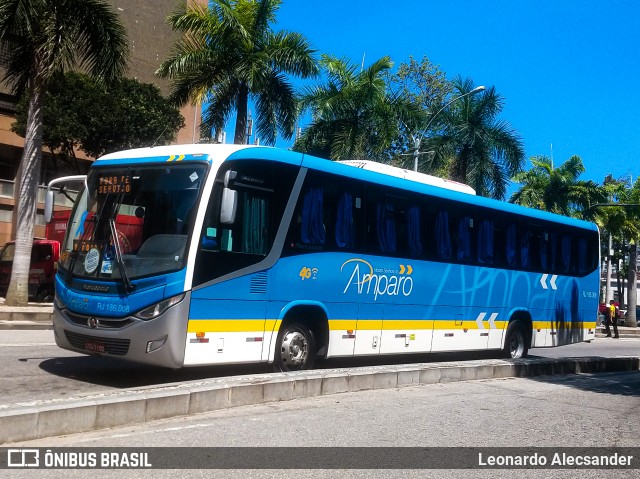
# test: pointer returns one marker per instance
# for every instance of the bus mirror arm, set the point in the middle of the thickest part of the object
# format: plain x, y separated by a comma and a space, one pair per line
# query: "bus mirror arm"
229, 178
49, 197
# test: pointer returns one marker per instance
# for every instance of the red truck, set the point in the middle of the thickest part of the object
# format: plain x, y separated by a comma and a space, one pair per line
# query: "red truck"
45, 254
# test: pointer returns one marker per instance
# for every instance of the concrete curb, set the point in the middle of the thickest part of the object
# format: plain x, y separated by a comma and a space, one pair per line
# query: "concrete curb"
28, 317
26, 321
41, 419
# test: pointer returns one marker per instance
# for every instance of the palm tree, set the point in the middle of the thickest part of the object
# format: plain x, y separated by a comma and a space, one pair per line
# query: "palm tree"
472, 146
353, 114
632, 278
46, 37
620, 225
229, 55
558, 189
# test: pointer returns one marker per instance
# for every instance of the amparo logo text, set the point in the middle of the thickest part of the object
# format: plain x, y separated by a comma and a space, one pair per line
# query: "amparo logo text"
364, 279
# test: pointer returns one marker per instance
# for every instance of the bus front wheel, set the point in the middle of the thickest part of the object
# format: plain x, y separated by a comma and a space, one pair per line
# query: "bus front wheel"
295, 349
515, 344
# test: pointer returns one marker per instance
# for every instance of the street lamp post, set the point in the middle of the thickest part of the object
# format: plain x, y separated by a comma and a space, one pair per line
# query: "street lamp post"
417, 140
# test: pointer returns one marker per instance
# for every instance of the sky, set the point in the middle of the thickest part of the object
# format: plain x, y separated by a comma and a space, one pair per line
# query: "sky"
568, 70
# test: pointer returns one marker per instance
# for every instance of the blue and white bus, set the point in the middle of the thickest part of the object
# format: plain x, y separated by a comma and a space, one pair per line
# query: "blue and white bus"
194, 255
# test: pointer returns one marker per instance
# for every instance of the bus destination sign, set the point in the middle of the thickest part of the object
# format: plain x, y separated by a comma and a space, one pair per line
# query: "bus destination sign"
114, 184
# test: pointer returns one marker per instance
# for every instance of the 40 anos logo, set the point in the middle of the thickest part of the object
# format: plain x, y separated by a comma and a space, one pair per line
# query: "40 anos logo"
365, 279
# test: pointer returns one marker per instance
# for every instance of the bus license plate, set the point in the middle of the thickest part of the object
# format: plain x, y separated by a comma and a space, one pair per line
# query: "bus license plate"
94, 346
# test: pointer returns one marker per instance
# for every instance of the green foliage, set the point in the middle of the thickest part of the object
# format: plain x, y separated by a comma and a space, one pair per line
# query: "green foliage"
425, 85
50, 36
473, 145
354, 116
229, 55
98, 119
621, 221
558, 189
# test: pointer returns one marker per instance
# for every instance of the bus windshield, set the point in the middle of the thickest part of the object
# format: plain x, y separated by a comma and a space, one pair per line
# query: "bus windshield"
132, 221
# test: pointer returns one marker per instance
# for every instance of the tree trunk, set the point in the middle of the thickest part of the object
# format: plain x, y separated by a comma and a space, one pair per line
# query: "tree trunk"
608, 295
26, 198
619, 280
240, 137
632, 291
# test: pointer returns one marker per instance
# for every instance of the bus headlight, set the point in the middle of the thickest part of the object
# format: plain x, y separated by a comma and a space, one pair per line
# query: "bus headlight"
156, 310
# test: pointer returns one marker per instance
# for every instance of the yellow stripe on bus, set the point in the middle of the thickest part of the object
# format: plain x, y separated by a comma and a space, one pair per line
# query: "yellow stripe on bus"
230, 325
245, 325
342, 324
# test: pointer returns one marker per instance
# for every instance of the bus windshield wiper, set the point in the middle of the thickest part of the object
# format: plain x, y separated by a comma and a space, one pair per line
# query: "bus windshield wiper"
116, 244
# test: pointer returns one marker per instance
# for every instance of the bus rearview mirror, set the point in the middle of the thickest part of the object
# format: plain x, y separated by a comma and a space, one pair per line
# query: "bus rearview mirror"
48, 206
228, 206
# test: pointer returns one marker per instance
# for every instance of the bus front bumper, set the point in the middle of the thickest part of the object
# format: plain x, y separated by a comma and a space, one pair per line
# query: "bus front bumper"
158, 342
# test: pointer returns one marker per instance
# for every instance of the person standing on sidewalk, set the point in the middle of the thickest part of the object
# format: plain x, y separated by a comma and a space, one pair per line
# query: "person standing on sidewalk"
612, 318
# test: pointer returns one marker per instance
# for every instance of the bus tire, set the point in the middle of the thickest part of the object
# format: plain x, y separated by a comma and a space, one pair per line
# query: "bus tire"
295, 348
515, 343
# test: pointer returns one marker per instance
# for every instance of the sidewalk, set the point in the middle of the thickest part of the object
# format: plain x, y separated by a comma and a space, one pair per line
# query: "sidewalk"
69, 415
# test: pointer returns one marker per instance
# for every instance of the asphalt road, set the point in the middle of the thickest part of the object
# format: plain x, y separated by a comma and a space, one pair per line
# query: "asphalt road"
558, 411
34, 368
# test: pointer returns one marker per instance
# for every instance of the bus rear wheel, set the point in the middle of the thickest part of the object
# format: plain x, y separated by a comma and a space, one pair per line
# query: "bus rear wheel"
295, 348
515, 344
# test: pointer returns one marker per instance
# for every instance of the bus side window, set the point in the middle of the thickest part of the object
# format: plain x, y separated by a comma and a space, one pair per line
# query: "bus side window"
344, 226
443, 238
385, 227
312, 228
307, 230
485, 242
414, 231
545, 260
256, 225
525, 247
327, 217
565, 253
549, 251
512, 246
553, 244
344, 216
584, 258
465, 239
387, 223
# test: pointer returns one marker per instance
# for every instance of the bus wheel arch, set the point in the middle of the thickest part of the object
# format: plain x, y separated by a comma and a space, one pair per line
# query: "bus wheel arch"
518, 335
302, 336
